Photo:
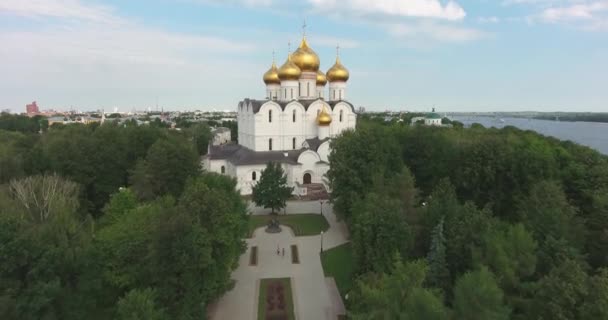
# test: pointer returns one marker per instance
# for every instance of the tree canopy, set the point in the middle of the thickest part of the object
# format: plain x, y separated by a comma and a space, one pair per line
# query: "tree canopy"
271, 191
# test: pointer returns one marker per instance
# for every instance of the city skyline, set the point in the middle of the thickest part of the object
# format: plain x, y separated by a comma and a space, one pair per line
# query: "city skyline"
473, 55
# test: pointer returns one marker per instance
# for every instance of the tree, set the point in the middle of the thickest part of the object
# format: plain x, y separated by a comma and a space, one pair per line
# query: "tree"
167, 246
548, 215
168, 164
379, 230
355, 158
510, 251
595, 305
44, 245
139, 305
597, 238
439, 273
559, 294
120, 202
477, 296
200, 134
464, 232
396, 295
45, 197
272, 190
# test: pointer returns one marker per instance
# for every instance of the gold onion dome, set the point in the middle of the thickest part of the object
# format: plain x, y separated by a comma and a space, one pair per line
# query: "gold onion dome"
337, 72
272, 75
323, 119
321, 78
305, 58
289, 70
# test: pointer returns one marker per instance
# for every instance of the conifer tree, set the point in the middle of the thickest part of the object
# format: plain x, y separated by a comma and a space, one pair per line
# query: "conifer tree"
439, 274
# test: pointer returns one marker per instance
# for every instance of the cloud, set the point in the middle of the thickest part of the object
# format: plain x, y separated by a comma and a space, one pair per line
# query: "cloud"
428, 30
492, 19
584, 11
411, 8
69, 9
587, 15
83, 54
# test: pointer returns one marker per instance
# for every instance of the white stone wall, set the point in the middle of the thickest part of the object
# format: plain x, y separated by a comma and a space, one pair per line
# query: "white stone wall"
432, 122
337, 91
256, 130
289, 90
272, 91
343, 118
308, 85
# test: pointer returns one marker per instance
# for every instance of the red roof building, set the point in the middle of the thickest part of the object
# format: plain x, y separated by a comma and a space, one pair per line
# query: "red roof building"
32, 108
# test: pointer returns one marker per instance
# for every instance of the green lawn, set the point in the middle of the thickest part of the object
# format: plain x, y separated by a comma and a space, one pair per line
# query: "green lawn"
262, 302
302, 224
338, 263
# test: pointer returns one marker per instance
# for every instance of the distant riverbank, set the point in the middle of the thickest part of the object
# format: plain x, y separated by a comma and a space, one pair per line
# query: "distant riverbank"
576, 117
591, 134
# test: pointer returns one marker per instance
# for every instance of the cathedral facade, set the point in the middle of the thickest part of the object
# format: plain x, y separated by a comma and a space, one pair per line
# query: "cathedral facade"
303, 110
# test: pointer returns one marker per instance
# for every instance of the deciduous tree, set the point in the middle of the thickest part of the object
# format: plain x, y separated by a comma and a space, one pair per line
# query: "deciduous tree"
272, 192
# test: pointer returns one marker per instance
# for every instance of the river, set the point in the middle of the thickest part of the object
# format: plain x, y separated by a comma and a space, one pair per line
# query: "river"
592, 134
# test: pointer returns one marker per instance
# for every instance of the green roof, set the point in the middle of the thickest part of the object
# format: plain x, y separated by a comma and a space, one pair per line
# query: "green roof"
433, 115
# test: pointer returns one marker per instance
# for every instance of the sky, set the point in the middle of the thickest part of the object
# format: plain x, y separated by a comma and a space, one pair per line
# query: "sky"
454, 55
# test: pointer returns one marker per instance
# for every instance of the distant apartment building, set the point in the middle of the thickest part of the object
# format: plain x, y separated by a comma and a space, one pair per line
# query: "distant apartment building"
32, 109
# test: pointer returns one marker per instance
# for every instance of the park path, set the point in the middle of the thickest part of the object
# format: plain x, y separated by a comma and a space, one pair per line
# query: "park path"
313, 297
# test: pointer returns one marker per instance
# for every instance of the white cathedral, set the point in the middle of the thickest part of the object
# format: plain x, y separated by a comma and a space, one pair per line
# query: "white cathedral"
292, 125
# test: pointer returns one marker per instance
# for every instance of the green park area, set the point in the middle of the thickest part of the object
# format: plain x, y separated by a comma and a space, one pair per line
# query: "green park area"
275, 299
338, 263
308, 224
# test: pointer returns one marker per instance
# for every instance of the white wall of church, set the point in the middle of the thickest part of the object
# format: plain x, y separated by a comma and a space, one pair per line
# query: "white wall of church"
324, 151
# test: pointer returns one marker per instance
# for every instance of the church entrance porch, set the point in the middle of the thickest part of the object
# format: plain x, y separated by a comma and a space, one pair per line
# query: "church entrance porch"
307, 178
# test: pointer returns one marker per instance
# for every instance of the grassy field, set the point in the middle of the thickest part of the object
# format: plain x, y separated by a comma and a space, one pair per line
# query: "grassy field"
338, 263
262, 302
302, 224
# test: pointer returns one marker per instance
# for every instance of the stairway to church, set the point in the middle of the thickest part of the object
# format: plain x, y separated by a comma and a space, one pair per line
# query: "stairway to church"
315, 191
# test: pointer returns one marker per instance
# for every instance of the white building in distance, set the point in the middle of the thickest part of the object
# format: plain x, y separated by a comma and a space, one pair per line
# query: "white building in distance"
293, 125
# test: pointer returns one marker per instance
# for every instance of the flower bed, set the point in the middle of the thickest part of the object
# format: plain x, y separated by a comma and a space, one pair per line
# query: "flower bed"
275, 300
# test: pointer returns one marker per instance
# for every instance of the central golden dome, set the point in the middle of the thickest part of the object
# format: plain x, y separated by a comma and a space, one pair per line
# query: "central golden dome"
272, 75
323, 118
289, 70
337, 72
321, 78
305, 58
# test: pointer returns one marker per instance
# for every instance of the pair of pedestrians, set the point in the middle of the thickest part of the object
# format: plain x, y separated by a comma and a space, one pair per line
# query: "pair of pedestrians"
280, 252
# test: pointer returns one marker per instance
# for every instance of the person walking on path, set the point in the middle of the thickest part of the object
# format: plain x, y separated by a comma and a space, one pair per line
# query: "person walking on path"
283, 252
278, 251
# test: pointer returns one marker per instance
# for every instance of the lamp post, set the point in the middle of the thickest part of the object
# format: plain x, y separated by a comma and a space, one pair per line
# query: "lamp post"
321, 241
321, 203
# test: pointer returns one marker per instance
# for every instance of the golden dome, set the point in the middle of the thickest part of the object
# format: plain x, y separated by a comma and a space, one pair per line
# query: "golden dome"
323, 118
289, 70
321, 78
337, 72
305, 58
272, 75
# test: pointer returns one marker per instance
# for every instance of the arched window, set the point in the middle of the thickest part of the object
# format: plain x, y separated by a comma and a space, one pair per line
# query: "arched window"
291, 94
334, 94
300, 88
341, 115
308, 89
293, 142
340, 94
270, 144
253, 176
269, 115
293, 116
223, 169
285, 93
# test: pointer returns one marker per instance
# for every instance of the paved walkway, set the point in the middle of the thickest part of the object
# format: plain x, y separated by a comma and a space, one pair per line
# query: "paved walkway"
313, 298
